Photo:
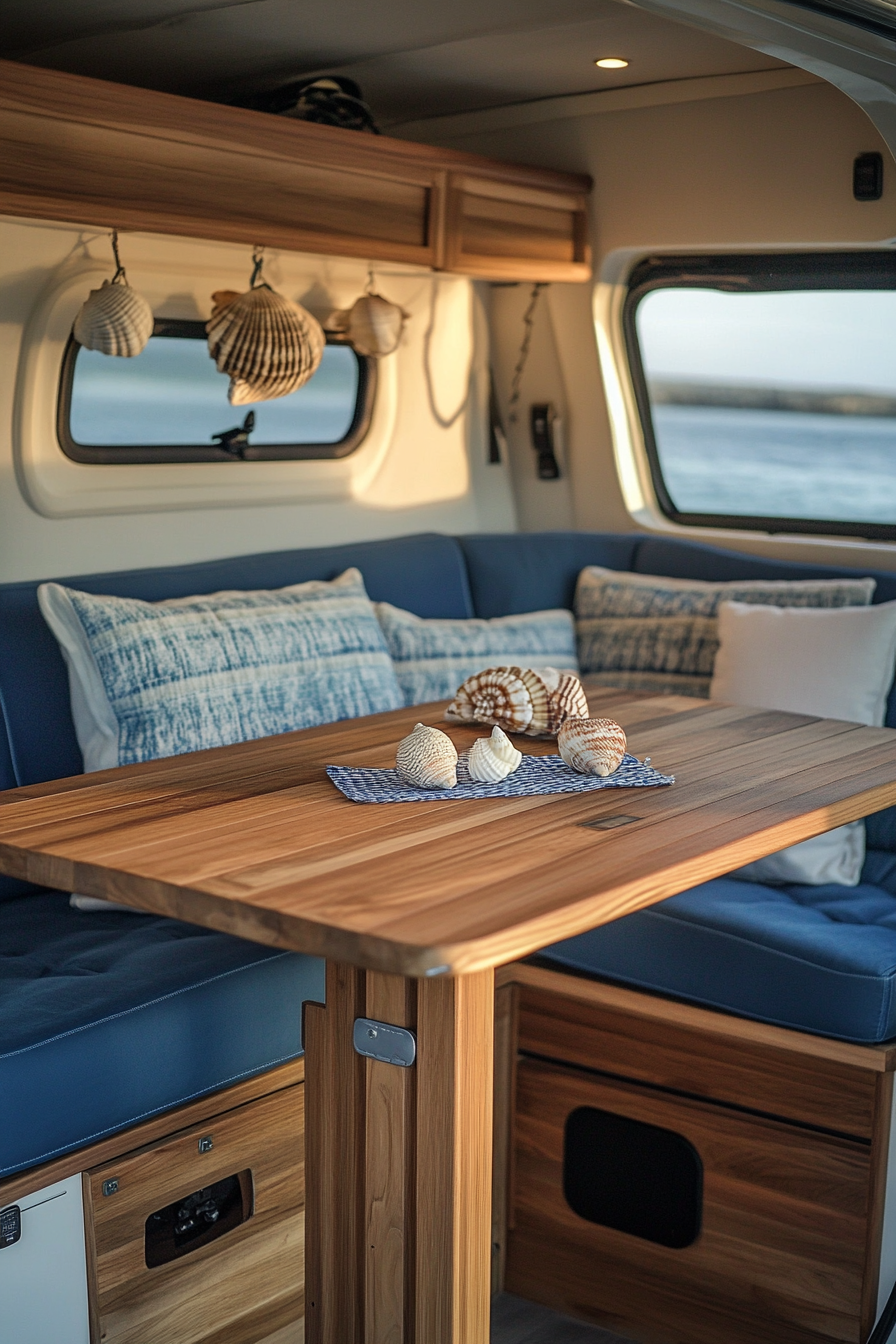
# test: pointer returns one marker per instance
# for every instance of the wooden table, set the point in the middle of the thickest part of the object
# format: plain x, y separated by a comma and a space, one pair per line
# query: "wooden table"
413, 905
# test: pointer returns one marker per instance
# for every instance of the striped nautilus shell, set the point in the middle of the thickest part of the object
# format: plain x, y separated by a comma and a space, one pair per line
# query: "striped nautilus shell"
592, 746
427, 759
266, 344
519, 700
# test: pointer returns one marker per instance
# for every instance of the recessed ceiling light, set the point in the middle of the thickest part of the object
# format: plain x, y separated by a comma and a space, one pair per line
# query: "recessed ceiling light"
611, 63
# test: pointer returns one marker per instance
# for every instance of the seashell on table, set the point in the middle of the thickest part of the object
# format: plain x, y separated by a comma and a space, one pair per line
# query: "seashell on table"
492, 759
266, 344
592, 746
534, 701
427, 758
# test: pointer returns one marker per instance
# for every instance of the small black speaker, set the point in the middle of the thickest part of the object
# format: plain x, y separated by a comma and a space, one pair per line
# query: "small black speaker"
868, 177
633, 1177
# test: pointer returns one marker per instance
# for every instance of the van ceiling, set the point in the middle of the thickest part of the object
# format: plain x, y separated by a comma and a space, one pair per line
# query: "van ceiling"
412, 58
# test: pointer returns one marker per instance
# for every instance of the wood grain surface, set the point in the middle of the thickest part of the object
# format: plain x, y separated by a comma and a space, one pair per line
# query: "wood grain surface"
254, 840
94, 152
780, 1258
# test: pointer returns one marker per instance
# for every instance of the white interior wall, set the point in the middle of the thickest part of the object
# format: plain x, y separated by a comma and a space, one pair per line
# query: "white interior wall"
742, 161
423, 475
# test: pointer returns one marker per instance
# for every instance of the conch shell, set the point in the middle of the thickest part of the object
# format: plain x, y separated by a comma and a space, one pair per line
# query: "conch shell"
519, 700
592, 746
114, 319
427, 759
492, 759
268, 345
372, 325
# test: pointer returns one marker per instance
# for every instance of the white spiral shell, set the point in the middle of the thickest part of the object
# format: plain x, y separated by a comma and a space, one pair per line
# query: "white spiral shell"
534, 701
427, 759
114, 319
592, 746
492, 759
372, 325
266, 344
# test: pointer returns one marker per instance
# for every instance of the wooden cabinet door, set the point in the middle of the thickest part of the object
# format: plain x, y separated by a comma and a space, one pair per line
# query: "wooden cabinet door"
508, 231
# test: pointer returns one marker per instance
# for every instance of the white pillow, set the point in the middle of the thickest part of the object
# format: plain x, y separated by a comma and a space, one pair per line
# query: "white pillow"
838, 664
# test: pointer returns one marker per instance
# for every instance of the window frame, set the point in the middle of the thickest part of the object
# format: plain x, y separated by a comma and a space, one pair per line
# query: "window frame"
746, 273
134, 454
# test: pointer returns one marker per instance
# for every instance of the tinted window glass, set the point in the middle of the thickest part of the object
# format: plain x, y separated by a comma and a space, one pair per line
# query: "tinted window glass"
771, 406
171, 396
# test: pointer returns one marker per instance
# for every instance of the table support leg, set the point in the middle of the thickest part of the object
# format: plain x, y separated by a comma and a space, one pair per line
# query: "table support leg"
398, 1164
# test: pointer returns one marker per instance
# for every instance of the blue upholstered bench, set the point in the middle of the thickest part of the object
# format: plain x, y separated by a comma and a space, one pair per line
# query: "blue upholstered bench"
108, 1018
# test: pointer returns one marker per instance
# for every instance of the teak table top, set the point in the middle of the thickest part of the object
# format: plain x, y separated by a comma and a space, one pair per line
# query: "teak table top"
254, 840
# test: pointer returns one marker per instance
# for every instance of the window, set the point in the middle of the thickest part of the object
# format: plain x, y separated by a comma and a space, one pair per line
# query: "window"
168, 403
767, 389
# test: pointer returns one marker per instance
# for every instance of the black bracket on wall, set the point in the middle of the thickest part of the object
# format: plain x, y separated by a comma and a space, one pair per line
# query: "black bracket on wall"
541, 424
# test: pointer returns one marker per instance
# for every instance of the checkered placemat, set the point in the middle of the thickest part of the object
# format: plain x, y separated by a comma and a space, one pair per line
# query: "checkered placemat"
536, 774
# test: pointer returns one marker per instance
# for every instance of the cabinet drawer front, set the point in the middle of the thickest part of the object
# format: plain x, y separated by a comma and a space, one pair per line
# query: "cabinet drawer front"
252, 1273
780, 1253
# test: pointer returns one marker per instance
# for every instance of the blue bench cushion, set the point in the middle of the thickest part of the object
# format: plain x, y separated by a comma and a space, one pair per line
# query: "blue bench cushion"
107, 1019
818, 959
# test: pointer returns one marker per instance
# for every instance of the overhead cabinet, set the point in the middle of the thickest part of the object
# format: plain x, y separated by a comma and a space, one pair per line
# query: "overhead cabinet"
91, 152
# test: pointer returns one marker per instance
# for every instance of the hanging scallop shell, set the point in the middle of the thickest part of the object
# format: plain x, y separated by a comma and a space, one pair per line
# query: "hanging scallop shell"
496, 696
268, 345
592, 746
492, 759
427, 758
114, 319
372, 325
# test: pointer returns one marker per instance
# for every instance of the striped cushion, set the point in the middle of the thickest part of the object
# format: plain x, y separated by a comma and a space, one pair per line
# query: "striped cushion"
432, 658
645, 632
152, 679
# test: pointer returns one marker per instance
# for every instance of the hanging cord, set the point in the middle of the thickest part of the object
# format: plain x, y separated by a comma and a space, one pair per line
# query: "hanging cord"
883, 1331
528, 326
257, 263
440, 419
119, 269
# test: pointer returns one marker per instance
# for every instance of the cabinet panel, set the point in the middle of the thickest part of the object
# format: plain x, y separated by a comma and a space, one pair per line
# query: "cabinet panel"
515, 232
780, 1256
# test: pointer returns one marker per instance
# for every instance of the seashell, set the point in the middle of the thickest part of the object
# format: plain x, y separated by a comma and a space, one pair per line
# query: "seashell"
492, 759
568, 701
496, 696
114, 319
427, 758
372, 325
268, 345
592, 746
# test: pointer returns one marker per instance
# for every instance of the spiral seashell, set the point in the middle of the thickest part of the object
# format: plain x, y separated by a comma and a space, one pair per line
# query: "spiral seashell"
372, 325
492, 759
592, 746
114, 319
268, 345
496, 696
427, 758
568, 701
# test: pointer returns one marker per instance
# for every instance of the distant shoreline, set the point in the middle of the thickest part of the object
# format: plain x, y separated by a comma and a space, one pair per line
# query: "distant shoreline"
806, 401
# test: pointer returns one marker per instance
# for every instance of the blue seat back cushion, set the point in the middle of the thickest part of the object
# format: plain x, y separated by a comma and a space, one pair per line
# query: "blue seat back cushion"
818, 959
107, 1020
518, 572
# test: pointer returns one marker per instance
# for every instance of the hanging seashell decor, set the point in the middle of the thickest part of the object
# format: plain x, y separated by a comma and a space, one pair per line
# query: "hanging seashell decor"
372, 326
519, 700
266, 344
592, 746
114, 319
427, 759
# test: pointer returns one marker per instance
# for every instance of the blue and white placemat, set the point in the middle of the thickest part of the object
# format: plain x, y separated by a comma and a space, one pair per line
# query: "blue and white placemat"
536, 774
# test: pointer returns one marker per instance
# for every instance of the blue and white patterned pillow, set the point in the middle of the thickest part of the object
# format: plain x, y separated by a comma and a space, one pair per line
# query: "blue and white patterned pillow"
153, 679
432, 657
642, 632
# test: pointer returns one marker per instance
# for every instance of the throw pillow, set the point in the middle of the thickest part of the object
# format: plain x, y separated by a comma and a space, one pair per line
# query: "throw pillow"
432, 657
836, 664
642, 632
153, 679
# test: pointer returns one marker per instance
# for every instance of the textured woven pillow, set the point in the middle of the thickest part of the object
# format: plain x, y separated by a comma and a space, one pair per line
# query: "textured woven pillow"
642, 632
432, 657
153, 679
